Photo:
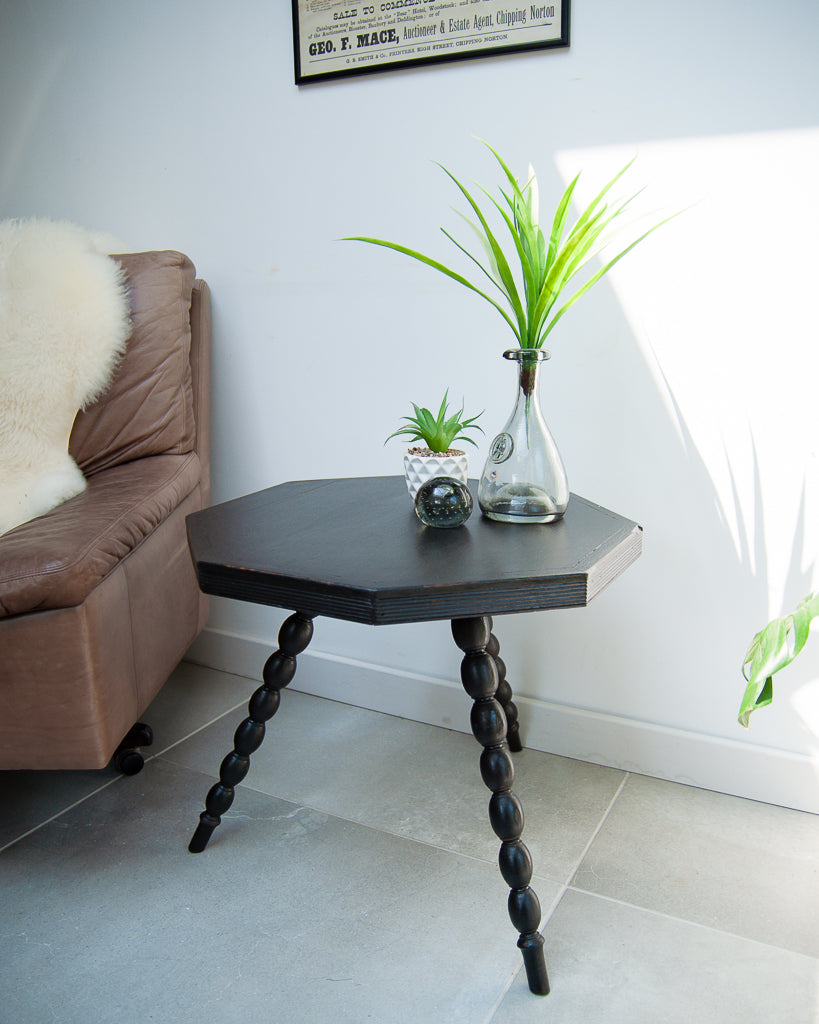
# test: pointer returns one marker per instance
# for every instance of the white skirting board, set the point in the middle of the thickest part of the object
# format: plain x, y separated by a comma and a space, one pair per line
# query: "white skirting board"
725, 766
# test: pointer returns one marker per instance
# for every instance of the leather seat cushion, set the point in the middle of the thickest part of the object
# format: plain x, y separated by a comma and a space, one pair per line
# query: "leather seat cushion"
148, 408
55, 561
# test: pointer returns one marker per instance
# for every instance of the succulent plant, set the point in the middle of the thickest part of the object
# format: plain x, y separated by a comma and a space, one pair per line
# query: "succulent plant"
438, 432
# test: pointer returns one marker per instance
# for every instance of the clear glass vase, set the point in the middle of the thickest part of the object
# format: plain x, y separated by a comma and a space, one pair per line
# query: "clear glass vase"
524, 479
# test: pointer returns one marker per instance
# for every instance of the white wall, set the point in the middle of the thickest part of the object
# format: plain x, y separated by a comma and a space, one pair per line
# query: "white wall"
681, 391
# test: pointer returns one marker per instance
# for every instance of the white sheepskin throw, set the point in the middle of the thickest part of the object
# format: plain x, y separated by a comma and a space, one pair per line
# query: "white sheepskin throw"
64, 321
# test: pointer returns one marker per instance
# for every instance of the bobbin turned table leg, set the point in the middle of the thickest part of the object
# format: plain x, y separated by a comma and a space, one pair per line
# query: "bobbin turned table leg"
479, 676
294, 636
504, 695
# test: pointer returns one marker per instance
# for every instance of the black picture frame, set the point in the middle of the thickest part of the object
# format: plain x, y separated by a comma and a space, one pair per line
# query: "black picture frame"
333, 39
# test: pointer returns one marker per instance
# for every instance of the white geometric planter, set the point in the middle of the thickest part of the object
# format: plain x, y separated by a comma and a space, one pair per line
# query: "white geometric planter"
420, 468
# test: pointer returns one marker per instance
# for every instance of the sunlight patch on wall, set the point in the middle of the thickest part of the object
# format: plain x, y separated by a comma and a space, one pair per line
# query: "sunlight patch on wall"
721, 301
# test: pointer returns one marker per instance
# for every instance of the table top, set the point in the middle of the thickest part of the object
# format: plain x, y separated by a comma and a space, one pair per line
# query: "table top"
354, 549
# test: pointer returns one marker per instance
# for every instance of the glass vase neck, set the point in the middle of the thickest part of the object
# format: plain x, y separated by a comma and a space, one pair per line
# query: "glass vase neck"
527, 355
528, 360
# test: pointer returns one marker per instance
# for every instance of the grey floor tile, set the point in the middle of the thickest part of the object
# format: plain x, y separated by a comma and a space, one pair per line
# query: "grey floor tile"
297, 914
614, 964
192, 697
29, 798
290, 915
736, 865
413, 779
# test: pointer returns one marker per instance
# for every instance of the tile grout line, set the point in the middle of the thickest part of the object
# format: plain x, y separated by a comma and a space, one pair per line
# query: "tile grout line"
503, 993
248, 784
563, 889
565, 886
597, 831
60, 813
674, 919
117, 778
634, 906
190, 735
513, 974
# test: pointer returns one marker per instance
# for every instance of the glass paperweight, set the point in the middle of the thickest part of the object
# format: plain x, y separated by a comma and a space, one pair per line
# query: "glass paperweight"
443, 502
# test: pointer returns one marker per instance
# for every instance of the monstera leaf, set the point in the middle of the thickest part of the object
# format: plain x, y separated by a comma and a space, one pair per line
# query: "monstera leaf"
772, 649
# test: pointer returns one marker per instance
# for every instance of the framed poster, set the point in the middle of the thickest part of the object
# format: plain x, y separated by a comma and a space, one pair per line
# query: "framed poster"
332, 38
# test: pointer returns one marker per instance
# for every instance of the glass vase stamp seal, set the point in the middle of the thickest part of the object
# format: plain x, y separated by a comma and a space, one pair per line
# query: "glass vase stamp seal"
524, 479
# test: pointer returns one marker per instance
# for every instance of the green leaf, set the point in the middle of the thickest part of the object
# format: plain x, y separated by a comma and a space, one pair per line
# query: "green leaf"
559, 222
438, 432
530, 286
543, 269
603, 270
772, 649
492, 273
504, 271
591, 210
492, 277
436, 266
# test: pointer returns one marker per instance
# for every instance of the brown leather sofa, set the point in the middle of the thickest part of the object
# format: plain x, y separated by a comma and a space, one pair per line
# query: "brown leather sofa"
98, 598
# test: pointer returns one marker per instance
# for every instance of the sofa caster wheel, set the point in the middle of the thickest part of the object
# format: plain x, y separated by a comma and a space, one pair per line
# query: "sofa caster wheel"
139, 735
127, 760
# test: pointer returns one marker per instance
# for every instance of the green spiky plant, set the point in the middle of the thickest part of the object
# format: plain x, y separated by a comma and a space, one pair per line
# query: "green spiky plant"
773, 648
544, 266
438, 432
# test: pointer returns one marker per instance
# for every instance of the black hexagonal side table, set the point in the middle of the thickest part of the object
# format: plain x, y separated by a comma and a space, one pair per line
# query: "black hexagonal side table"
353, 549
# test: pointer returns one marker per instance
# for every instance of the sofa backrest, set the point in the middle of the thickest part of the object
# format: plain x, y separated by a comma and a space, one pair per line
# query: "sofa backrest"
200, 373
149, 407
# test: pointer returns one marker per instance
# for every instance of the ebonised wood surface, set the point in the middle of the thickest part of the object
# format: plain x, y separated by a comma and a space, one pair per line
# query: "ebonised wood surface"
353, 549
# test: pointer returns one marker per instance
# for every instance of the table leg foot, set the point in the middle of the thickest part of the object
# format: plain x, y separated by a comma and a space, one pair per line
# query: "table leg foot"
504, 695
204, 830
535, 963
294, 636
479, 676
